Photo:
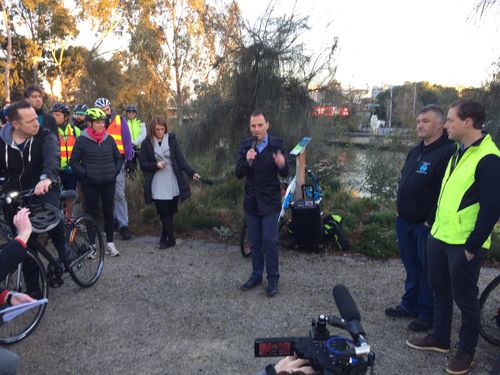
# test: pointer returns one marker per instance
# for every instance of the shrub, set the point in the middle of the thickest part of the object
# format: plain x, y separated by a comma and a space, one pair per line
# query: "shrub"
386, 219
377, 242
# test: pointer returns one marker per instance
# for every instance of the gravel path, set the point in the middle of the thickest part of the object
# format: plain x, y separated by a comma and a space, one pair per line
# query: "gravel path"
180, 311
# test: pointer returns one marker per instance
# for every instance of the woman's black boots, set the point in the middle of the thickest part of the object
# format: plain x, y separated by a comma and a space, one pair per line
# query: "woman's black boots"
167, 238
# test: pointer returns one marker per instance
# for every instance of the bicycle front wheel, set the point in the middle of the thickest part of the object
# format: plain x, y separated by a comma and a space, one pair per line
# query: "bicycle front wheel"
83, 237
490, 312
29, 278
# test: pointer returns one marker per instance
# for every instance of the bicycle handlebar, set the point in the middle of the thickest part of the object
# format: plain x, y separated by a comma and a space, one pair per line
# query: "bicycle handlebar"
13, 196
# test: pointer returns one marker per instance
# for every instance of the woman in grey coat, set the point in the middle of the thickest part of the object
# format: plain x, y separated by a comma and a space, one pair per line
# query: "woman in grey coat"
162, 163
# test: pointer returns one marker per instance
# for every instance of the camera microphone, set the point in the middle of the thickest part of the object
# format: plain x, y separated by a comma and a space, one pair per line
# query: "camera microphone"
253, 147
349, 312
345, 303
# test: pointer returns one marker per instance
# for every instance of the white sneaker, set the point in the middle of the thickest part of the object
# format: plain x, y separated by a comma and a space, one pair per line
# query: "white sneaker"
111, 249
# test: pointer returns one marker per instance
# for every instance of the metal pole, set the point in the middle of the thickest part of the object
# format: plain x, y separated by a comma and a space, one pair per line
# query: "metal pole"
390, 111
414, 99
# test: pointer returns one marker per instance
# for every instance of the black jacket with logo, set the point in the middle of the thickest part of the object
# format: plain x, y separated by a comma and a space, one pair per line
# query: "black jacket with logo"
421, 178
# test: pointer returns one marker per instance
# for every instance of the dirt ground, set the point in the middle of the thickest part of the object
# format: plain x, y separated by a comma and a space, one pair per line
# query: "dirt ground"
180, 311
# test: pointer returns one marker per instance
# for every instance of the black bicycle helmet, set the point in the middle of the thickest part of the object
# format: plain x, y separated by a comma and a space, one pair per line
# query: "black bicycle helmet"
44, 217
60, 107
80, 109
131, 108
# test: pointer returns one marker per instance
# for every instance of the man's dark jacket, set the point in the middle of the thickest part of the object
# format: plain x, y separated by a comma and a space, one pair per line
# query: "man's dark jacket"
149, 166
48, 122
262, 186
96, 164
22, 169
421, 178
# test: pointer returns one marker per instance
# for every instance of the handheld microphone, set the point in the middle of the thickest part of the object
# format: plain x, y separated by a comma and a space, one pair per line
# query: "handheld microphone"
254, 145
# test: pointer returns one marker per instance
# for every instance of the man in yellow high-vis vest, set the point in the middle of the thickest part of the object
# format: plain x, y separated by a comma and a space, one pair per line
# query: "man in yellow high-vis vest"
467, 210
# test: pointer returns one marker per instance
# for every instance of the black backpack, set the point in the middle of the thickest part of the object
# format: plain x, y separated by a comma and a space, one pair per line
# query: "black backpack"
332, 230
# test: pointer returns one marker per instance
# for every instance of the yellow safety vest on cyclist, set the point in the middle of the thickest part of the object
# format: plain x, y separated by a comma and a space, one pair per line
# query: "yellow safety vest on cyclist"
453, 223
67, 141
134, 126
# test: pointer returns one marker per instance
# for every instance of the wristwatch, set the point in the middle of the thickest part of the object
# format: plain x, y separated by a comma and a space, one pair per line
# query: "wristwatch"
9, 298
44, 177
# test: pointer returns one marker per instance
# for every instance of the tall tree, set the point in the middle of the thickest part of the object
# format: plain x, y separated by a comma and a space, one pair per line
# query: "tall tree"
187, 45
8, 56
101, 78
49, 24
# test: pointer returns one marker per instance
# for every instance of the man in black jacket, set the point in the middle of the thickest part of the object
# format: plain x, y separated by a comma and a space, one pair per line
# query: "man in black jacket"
417, 195
34, 96
29, 159
261, 158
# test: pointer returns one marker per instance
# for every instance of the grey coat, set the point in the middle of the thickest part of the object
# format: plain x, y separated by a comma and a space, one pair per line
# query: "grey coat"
147, 162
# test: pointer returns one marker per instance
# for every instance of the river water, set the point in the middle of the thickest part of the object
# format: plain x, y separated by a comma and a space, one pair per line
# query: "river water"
357, 163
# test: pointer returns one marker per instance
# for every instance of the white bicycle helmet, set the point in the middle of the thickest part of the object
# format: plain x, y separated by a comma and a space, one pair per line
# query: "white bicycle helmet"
102, 102
44, 217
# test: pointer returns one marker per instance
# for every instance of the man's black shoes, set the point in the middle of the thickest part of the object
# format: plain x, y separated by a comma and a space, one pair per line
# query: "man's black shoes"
272, 288
398, 312
250, 284
419, 325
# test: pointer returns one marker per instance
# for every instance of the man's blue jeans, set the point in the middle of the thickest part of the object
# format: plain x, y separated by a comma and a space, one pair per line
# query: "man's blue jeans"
412, 241
264, 237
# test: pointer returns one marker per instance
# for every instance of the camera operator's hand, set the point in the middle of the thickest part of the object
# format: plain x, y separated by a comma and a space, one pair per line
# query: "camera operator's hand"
292, 364
23, 224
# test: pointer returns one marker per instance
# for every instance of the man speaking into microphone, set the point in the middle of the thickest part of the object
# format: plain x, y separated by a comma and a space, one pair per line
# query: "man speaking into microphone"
261, 158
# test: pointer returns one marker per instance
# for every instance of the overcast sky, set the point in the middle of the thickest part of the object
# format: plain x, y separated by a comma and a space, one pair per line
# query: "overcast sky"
393, 41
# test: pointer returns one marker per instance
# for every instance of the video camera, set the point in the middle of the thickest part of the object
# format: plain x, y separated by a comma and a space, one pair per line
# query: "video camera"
333, 355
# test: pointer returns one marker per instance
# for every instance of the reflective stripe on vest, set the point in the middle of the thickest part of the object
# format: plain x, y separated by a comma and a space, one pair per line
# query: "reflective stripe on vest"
134, 126
453, 226
66, 141
115, 130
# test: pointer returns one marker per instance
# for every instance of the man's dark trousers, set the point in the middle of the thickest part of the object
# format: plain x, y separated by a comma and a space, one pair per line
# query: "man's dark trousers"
263, 230
453, 277
412, 241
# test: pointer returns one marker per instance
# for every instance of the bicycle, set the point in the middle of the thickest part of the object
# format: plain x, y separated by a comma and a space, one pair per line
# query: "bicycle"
489, 303
32, 277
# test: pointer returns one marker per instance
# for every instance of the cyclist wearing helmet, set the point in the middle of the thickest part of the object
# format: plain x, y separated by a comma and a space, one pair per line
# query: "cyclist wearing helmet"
97, 161
67, 136
34, 96
29, 159
137, 131
79, 116
136, 126
117, 127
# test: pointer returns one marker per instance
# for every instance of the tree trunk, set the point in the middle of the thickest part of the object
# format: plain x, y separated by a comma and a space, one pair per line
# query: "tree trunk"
64, 88
9, 56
